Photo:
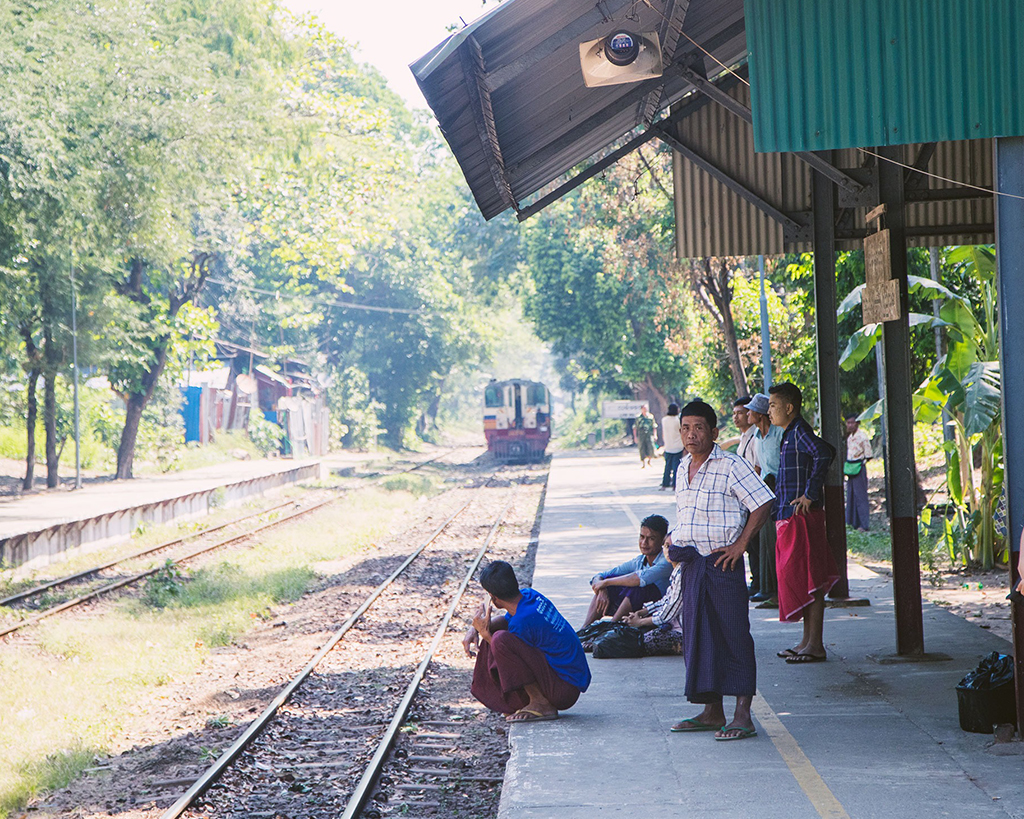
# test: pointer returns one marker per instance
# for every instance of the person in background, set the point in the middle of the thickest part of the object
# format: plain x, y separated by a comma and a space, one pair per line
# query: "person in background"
643, 435
640, 580
858, 453
720, 505
530, 664
673, 446
767, 439
803, 560
747, 449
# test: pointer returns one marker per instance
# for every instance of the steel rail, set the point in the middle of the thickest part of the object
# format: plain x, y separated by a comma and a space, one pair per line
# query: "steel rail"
125, 581
256, 727
373, 769
60, 581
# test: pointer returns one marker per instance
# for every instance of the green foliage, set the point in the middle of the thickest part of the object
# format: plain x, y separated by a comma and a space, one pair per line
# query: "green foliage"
600, 264
165, 587
266, 435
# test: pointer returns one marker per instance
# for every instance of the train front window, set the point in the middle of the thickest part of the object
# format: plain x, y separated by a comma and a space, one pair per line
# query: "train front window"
538, 394
493, 397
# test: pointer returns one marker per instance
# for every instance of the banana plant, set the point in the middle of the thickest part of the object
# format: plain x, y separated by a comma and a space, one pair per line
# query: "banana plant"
966, 384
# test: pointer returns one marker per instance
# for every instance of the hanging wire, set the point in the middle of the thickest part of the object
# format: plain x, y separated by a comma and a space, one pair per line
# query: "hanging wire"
329, 302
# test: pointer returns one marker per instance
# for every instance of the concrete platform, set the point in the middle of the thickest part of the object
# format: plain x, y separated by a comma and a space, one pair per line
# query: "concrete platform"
848, 738
40, 529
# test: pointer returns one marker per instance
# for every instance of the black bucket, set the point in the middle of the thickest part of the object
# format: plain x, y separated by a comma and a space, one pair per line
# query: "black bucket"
982, 708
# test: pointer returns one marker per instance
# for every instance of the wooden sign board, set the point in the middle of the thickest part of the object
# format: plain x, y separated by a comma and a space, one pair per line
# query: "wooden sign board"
881, 302
877, 261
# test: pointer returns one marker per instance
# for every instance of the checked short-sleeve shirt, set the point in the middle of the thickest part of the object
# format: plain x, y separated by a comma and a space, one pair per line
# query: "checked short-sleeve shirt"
712, 510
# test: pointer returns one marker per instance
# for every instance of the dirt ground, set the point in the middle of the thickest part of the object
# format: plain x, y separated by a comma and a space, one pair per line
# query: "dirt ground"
978, 597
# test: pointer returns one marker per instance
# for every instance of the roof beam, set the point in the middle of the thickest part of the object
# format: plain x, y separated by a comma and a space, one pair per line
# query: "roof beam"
601, 13
483, 115
672, 25
589, 173
686, 110
638, 91
827, 169
737, 187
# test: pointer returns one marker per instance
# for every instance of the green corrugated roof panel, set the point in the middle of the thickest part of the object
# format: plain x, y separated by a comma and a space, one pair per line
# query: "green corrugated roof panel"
857, 73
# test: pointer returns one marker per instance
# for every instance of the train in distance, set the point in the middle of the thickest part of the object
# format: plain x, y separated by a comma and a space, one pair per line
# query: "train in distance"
517, 419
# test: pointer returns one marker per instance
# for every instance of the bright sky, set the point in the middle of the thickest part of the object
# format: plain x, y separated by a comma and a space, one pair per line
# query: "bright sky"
393, 34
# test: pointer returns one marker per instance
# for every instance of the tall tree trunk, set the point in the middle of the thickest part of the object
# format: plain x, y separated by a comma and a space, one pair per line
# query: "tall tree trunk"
31, 417
732, 350
50, 425
714, 288
657, 403
126, 449
135, 403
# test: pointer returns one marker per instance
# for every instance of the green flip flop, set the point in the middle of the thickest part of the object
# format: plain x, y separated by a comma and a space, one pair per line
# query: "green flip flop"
692, 725
744, 733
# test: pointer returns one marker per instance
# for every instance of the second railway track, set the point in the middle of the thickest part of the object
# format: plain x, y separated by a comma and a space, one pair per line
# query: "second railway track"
61, 594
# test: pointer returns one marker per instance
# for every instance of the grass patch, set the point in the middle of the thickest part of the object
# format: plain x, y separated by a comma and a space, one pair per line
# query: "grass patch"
418, 485
871, 545
54, 771
85, 680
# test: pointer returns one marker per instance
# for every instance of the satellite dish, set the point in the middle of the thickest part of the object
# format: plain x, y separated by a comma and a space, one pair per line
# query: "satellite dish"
620, 57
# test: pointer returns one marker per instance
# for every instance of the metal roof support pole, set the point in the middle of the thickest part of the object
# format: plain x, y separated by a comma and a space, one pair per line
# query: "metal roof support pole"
823, 226
734, 185
899, 423
1009, 176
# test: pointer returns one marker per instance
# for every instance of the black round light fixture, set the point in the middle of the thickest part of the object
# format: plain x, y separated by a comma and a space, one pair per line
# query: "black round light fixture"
621, 48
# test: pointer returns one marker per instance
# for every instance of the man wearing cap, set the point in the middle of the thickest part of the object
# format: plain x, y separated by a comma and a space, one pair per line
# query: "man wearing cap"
858, 453
767, 441
720, 505
747, 449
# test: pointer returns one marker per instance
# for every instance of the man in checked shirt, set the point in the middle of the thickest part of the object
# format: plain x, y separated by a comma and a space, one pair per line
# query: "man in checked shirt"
721, 504
803, 560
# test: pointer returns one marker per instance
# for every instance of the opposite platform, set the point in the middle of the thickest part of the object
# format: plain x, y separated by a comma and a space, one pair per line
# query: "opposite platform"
37, 529
846, 738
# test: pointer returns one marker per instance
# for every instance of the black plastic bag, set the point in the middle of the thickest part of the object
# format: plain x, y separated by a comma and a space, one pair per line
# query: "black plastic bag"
619, 642
993, 671
589, 634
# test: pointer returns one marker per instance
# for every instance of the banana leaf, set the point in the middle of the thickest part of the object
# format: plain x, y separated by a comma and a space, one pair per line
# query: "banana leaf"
981, 397
917, 285
863, 341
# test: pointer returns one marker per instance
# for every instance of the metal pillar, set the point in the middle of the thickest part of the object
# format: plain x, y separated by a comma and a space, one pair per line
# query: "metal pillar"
901, 488
1009, 173
827, 338
766, 343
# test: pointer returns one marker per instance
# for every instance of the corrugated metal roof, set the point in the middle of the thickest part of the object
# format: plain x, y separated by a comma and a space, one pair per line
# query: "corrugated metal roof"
509, 95
884, 72
713, 220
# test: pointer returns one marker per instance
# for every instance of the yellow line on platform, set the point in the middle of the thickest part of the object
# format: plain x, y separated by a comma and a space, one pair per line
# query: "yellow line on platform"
806, 775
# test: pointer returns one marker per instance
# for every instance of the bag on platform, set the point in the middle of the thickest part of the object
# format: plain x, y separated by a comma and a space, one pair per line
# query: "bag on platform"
619, 642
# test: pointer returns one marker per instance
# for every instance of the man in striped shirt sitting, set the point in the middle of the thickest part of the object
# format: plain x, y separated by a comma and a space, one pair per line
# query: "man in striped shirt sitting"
721, 504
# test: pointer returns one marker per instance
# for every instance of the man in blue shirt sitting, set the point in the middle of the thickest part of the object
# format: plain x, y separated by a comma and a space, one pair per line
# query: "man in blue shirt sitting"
530, 664
640, 580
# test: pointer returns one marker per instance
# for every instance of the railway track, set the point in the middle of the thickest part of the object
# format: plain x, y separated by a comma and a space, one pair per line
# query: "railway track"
320, 746
35, 599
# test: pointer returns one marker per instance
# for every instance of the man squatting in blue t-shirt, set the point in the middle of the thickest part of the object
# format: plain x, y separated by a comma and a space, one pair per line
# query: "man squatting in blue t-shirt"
530, 664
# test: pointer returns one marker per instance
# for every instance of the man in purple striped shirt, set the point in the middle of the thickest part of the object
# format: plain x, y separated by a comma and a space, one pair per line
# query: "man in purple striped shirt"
804, 562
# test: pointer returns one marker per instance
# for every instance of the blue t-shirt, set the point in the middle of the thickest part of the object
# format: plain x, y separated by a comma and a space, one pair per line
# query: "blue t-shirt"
538, 623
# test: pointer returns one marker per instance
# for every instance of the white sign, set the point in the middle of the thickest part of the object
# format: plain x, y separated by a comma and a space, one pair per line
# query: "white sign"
621, 409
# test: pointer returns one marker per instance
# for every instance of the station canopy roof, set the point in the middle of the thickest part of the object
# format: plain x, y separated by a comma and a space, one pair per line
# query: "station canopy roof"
509, 94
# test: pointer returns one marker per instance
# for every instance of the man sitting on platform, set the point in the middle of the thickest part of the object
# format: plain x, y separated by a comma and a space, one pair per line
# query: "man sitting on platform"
720, 505
530, 664
640, 580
